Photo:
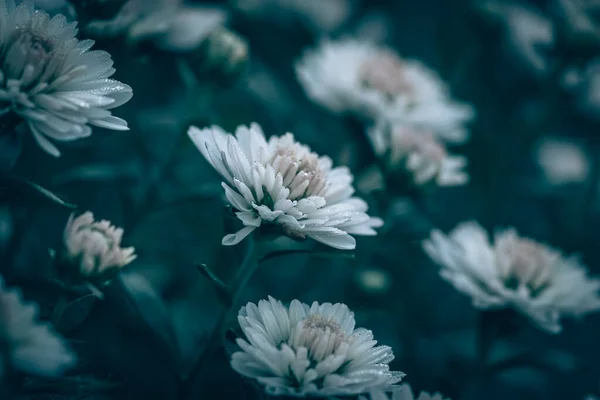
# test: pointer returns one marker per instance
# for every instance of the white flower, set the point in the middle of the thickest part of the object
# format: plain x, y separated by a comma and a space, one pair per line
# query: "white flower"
420, 154
404, 392
170, 24
94, 248
310, 351
26, 344
516, 272
51, 80
562, 161
282, 182
357, 77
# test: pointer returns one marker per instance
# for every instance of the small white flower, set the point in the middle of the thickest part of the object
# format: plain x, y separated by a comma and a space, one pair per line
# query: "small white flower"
420, 154
26, 344
357, 77
52, 80
310, 351
516, 272
562, 161
94, 248
170, 24
404, 392
282, 182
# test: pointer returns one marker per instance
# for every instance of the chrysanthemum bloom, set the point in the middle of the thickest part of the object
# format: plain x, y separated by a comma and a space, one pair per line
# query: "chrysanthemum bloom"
92, 249
419, 154
170, 24
359, 78
282, 182
26, 344
310, 351
51, 80
516, 272
404, 392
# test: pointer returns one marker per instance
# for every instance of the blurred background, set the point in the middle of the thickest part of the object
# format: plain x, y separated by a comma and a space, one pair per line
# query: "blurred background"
531, 70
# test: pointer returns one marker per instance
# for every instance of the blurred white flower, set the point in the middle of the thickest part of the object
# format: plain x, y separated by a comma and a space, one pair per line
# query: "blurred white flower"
529, 33
516, 272
357, 77
94, 248
170, 24
51, 80
562, 161
26, 344
310, 351
282, 182
404, 392
420, 154
321, 16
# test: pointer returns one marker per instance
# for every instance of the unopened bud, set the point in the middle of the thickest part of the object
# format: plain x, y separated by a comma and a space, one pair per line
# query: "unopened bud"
222, 57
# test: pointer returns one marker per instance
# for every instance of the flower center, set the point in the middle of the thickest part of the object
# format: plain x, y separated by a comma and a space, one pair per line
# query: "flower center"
385, 73
299, 167
322, 336
528, 264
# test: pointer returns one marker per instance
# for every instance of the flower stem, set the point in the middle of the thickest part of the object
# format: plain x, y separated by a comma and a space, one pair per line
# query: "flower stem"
243, 275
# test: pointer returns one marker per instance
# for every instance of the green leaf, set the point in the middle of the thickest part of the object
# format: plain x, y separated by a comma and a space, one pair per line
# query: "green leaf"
20, 191
68, 315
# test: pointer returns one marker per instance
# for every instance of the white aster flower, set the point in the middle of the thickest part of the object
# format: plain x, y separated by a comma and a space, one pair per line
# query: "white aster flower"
404, 392
516, 272
357, 77
310, 351
420, 154
170, 24
562, 161
282, 182
26, 344
94, 249
51, 80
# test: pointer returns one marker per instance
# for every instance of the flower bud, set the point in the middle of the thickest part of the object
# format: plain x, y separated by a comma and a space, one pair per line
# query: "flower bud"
92, 250
223, 57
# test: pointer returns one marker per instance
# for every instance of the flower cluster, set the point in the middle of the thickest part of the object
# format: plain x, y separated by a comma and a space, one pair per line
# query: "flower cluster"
53, 83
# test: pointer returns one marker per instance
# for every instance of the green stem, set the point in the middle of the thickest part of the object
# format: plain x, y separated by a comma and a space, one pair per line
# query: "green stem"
243, 275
